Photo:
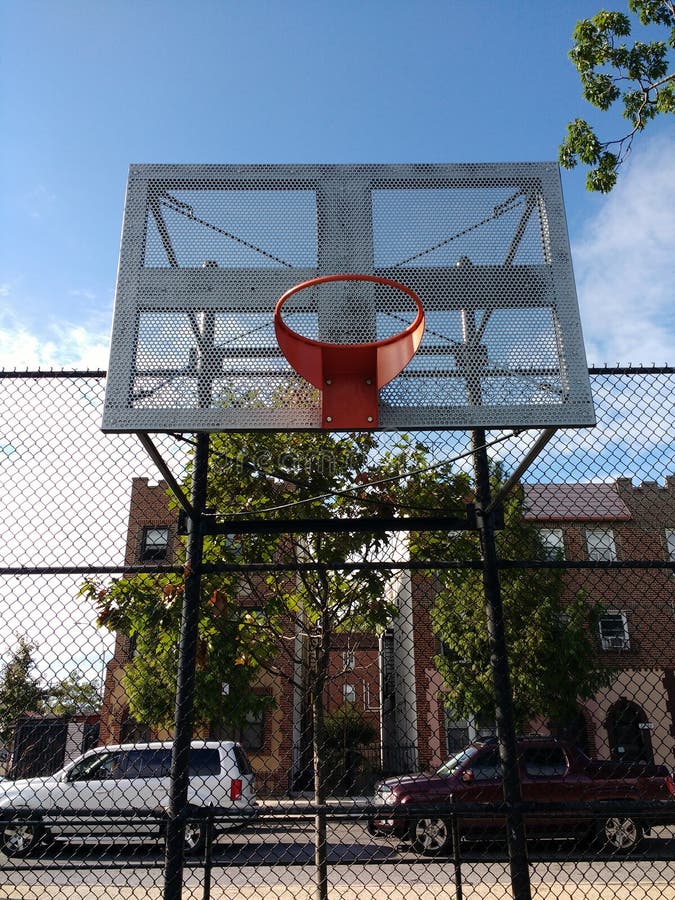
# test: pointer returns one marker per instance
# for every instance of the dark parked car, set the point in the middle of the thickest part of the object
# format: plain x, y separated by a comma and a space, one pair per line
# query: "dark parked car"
551, 773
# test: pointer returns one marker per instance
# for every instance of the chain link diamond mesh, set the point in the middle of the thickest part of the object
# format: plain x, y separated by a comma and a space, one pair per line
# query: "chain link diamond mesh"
358, 656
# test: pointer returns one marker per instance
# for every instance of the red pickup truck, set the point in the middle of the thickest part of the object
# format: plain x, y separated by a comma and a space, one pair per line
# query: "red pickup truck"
551, 773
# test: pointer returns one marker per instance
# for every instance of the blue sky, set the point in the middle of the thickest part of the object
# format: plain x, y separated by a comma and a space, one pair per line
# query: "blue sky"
88, 87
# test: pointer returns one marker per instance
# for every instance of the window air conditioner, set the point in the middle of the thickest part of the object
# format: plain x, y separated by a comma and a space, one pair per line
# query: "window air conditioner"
615, 643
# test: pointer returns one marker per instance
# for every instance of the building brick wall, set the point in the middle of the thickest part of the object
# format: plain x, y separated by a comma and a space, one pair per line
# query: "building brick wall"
638, 516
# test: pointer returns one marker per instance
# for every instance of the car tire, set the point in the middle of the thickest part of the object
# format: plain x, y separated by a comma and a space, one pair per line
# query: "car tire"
431, 836
195, 837
18, 837
620, 833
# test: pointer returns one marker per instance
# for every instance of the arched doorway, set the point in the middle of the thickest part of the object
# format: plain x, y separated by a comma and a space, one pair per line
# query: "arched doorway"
629, 737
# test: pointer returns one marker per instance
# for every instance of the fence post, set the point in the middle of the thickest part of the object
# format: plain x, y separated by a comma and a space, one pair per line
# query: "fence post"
187, 656
506, 732
208, 853
456, 852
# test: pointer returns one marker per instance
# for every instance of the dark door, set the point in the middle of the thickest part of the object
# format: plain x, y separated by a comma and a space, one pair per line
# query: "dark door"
39, 747
629, 738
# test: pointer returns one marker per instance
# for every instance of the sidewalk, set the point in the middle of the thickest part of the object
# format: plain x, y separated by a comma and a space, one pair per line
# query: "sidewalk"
579, 890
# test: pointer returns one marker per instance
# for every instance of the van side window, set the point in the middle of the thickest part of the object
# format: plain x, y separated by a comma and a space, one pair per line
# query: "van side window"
205, 761
147, 763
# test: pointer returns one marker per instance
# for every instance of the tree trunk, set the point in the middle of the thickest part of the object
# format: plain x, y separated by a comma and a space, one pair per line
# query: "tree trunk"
320, 842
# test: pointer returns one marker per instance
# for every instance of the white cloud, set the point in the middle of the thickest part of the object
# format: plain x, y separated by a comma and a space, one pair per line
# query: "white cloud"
60, 345
83, 293
65, 487
625, 263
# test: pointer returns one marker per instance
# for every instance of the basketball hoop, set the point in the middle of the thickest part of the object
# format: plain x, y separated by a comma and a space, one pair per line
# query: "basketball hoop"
207, 251
349, 376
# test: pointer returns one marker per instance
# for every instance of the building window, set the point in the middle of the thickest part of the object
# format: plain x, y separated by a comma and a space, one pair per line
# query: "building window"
461, 732
349, 693
348, 660
155, 543
613, 627
670, 544
252, 733
457, 735
552, 543
600, 544
574, 729
132, 731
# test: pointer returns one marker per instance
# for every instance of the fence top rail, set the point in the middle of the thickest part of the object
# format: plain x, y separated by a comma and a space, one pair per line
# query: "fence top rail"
60, 373
604, 369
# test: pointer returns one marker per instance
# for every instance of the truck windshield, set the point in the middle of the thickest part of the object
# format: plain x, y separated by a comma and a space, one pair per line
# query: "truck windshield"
458, 761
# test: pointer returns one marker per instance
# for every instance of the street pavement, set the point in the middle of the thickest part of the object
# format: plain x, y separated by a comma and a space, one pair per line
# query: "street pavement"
560, 890
275, 862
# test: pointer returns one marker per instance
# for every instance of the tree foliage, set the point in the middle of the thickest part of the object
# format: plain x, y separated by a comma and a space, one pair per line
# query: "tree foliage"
319, 476
322, 476
20, 689
71, 695
636, 76
346, 728
552, 656
269, 620
147, 608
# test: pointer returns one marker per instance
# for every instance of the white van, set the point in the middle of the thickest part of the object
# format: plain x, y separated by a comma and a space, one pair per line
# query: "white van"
122, 780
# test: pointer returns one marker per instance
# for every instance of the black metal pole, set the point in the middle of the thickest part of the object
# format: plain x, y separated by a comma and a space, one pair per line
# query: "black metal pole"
187, 655
208, 855
456, 854
506, 731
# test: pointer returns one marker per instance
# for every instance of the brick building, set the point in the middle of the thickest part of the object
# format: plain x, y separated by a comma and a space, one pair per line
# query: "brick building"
620, 523
278, 740
613, 523
151, 537
393, 680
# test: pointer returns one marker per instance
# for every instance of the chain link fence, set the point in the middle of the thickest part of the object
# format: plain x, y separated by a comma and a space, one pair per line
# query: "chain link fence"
329, 664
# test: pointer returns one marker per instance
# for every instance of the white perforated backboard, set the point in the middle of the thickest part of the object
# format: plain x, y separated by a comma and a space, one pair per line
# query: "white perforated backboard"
207, 250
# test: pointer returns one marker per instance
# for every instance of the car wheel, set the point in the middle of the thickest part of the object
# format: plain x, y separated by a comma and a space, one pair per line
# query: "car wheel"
195, 837
431, 837
621, 833
18, 838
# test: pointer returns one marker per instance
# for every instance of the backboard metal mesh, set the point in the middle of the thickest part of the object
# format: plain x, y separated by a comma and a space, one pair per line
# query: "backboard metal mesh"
207, 250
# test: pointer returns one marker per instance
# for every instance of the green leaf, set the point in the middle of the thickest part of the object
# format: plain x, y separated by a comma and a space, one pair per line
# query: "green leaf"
610, 70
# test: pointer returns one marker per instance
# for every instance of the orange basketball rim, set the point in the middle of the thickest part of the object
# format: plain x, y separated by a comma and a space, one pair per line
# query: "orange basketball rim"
349, 376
